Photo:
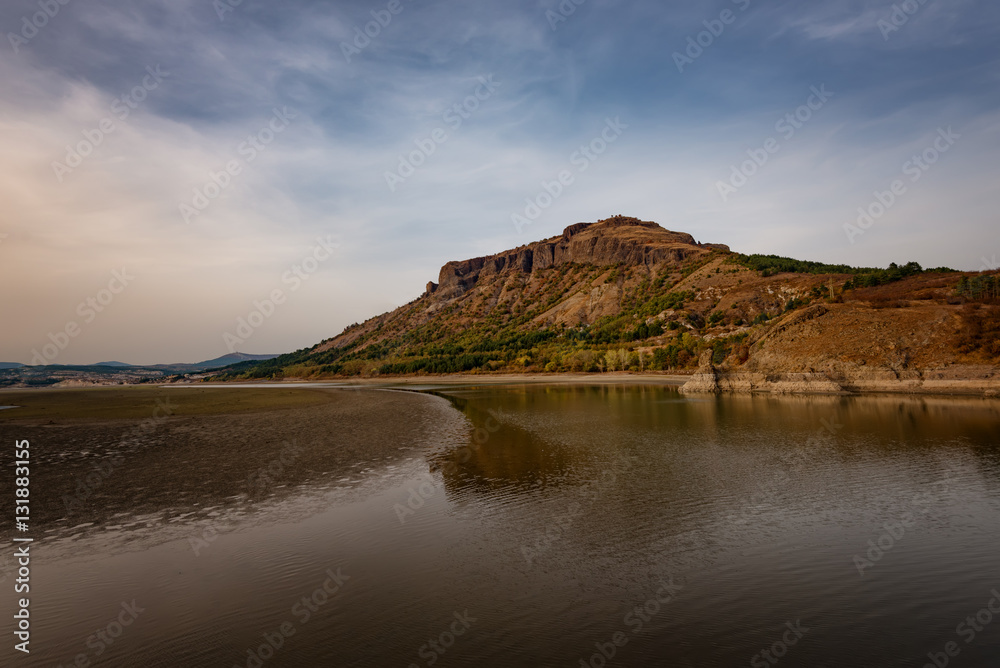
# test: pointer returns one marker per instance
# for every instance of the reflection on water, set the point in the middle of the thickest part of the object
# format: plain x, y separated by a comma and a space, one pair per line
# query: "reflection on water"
573, 524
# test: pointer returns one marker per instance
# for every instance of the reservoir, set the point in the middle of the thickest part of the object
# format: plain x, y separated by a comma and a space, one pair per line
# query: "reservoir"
516, 525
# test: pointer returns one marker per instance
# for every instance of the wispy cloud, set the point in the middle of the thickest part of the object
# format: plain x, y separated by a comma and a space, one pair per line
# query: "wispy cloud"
325, 174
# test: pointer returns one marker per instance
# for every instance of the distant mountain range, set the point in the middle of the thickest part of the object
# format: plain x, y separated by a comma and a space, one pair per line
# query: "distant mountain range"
16, 374
225, 360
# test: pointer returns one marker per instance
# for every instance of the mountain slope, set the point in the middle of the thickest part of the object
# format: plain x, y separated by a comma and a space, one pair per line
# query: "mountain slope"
628, 294
230, 358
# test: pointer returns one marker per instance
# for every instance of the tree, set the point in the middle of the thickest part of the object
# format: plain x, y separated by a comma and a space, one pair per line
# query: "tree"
611, 359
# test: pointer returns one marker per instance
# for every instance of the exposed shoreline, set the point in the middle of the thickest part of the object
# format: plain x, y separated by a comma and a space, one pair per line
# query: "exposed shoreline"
981, 381
873, 382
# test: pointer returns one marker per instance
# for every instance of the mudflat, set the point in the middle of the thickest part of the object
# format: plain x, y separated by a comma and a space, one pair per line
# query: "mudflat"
103, 457
139, 402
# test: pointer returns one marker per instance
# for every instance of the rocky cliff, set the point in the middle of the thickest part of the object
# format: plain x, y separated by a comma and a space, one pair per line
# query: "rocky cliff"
626, 294
619, 240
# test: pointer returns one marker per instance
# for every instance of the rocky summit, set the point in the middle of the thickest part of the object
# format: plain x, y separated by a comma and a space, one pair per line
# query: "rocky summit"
616, 241
627, 295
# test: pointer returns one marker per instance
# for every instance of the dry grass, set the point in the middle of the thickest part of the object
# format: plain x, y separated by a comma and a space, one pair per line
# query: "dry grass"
896, 295
980, 331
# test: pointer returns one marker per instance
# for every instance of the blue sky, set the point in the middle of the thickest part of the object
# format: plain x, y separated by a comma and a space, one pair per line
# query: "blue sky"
344, 121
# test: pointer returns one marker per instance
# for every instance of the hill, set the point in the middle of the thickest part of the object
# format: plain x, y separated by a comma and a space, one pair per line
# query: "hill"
226, 360
114, 373
625, 294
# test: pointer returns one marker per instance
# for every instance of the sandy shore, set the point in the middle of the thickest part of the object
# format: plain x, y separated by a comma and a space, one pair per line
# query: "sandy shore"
451, 380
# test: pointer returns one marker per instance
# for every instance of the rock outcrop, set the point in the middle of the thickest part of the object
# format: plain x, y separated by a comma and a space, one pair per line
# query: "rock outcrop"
617, 240
706, 379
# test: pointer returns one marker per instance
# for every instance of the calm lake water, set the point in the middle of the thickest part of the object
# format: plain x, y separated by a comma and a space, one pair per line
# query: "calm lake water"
579, 526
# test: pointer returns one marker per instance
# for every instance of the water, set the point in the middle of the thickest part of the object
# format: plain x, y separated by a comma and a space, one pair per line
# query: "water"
735, 525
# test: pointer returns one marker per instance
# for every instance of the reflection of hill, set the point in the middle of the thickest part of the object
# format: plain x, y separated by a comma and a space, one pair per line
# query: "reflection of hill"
528, 438
500, 453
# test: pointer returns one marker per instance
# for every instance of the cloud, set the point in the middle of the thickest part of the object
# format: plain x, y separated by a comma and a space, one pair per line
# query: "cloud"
325, 173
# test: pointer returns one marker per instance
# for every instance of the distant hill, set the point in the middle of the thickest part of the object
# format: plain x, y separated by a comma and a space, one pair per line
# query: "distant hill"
180, 367
231, 358
626, 294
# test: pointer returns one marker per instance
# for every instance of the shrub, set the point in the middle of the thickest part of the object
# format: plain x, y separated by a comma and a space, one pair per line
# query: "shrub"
980, 331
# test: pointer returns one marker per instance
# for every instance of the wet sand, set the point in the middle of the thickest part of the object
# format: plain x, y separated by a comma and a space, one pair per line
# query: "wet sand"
139, 402
215, 448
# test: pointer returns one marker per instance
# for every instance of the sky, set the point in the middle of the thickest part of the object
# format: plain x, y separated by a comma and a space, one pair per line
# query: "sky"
185, 178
